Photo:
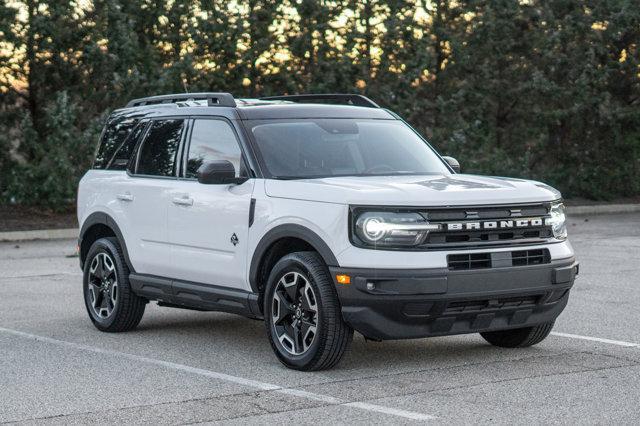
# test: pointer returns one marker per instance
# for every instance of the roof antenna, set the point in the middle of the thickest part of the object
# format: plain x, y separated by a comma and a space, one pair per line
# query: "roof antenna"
184, 84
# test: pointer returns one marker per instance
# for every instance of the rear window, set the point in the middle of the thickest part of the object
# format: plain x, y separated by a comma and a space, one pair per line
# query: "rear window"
159, 149
121, 158
115, 134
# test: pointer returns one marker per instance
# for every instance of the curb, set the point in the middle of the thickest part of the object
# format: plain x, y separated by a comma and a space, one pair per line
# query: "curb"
43, 234
603, 209
59, 234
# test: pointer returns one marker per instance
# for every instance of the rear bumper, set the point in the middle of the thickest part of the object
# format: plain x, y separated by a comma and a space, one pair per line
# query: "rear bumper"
387, 304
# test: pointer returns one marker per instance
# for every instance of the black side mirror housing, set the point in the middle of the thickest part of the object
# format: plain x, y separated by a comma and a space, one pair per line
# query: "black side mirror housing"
453, 163
219, 172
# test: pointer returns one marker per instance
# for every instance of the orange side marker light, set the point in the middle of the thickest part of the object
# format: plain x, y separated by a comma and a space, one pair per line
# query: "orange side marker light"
343, 279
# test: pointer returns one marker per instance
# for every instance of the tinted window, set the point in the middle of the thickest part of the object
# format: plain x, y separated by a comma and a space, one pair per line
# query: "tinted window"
343, 147
212, 140
123, 154
115, 133
158, 151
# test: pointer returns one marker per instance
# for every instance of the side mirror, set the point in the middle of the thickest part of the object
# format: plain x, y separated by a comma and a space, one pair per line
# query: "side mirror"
218, 173
453, 163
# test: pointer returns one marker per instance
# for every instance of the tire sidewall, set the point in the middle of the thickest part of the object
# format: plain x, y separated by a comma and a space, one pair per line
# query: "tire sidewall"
103, 245
285, 265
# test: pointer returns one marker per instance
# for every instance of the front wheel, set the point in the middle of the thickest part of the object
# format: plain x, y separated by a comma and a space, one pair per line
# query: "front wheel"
519, 337
108, 297
302, 314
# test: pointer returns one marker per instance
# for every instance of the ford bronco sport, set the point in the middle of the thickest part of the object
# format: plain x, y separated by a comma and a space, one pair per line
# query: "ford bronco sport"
321, 214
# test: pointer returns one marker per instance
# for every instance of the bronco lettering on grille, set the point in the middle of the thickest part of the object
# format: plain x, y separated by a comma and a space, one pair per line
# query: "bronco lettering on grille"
495, 224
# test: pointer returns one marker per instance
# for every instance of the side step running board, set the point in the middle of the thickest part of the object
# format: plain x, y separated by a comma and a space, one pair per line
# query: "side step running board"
198, 296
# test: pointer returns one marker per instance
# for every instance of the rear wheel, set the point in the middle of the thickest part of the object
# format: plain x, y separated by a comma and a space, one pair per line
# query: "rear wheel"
110, 302
302, 314
519, 337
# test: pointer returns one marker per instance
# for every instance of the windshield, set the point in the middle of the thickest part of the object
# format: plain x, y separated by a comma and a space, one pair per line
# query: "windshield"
314, 148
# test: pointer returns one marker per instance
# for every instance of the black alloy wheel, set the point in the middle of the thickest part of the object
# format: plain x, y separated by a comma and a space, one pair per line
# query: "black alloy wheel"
302, 313
103, 285
294, 313
111, 303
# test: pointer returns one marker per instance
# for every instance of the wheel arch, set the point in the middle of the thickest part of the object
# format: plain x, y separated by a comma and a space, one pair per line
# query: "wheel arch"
284, 239
99, 225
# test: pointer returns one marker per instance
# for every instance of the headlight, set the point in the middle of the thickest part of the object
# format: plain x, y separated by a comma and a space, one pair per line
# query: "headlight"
392, 229
557, 220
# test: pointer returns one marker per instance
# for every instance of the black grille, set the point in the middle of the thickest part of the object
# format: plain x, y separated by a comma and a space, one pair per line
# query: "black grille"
502, 303
467, 261
486, 237
495, 237
530, 257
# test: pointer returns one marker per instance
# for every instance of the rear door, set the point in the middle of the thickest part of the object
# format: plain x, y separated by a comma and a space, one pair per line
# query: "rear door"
208, 224
146, 194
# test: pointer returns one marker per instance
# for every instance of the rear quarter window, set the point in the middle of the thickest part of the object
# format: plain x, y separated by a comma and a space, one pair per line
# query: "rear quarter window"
113, 139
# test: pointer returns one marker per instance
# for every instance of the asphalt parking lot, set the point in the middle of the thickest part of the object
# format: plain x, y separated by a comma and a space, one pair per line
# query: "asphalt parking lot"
188, 367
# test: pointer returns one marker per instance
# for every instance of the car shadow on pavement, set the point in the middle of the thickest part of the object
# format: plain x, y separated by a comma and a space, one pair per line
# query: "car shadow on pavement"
245, 338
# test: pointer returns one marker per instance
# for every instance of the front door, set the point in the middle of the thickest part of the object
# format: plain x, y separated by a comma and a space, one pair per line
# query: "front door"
208, 224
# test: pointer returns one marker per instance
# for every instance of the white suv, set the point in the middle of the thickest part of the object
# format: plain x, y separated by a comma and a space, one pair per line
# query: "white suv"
321, 214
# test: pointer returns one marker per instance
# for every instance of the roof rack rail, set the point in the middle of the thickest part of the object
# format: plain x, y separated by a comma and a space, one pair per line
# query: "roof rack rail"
349, 99
213, 99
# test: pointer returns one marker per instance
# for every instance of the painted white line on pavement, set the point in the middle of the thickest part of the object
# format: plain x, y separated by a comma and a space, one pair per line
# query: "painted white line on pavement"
412, 415
387, 410
309, 395
597, 339
361, 405
172, 365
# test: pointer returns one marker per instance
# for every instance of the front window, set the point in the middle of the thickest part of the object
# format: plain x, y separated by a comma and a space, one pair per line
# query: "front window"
314, 148
212, 140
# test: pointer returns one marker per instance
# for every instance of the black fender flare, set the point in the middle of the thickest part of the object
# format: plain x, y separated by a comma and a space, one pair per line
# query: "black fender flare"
288, 231
100, 218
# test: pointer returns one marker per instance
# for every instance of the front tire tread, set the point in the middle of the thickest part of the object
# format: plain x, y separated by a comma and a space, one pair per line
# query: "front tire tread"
334, 340
519, 337
131, 307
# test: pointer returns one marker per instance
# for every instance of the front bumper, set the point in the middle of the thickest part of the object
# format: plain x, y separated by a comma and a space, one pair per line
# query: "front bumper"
387, 304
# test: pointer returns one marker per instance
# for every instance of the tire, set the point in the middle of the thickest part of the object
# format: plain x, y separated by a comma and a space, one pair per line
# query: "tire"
305, 275
110, 302
519, 337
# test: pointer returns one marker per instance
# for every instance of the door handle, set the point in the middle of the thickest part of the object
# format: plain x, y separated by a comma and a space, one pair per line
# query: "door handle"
183, 201
125, 197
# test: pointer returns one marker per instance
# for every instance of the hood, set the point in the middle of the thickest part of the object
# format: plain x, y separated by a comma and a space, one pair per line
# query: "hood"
431, 190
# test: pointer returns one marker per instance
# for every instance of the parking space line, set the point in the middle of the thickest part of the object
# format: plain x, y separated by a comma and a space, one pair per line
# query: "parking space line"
412, 415
597, 339
387, 410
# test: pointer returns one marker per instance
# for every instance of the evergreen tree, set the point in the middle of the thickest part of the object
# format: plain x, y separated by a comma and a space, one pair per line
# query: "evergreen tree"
540, 89
57, 161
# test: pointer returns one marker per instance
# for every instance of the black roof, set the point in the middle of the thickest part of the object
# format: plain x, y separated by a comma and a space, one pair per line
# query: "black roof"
291, 110
279, 107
